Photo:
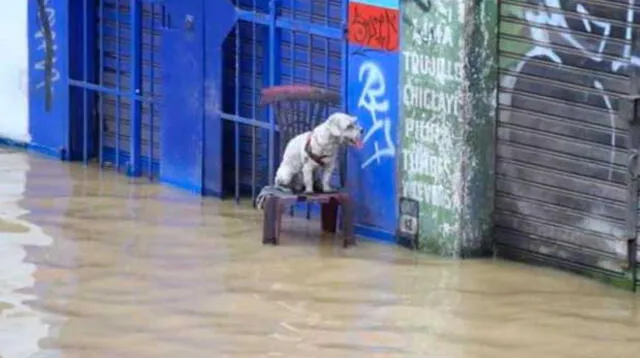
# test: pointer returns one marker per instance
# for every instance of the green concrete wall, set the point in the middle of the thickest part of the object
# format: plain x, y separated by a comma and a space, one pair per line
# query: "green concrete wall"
448, 91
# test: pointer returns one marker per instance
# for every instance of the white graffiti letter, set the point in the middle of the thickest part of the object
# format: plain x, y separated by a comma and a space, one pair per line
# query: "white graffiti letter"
373, 100
39, 35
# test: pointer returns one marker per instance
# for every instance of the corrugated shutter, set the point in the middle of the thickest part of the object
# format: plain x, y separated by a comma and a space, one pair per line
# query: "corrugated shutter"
313, 60
117, 42
561, 152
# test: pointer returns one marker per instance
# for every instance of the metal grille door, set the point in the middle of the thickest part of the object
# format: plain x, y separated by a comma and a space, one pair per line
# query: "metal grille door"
119, 30
274, 42
116, 80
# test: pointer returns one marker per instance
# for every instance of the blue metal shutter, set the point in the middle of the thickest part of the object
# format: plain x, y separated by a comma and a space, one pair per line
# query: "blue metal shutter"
116, 70
312, 59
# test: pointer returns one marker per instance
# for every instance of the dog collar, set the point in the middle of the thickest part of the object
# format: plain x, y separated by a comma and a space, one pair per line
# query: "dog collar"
316, 158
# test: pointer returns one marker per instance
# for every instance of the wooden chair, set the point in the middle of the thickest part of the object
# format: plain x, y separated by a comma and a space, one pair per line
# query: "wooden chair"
298, 109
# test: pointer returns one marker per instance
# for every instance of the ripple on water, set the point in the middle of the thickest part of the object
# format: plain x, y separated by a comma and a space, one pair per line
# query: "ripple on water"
9, 226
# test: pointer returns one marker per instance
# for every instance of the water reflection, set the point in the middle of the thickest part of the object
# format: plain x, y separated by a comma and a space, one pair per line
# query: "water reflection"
21, 326
141, 270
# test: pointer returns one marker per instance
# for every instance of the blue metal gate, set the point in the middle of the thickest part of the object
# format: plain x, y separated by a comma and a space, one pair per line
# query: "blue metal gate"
115, 81
274, 42
121, 29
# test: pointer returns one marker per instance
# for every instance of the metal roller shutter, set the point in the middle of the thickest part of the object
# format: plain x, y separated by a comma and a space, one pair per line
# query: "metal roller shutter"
561, 188
117, 70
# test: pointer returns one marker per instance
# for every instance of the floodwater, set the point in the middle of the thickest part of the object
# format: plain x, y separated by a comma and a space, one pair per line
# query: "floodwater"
92, 266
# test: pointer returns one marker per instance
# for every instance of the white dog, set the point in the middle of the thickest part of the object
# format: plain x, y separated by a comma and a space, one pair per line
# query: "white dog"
308, 152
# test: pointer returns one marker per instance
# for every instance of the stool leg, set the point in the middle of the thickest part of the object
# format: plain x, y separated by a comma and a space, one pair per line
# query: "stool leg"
279, 209
269, 221
347, 222
330, 216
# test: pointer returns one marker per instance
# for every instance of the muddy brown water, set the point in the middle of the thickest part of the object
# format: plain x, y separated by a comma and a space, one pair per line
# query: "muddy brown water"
95, 265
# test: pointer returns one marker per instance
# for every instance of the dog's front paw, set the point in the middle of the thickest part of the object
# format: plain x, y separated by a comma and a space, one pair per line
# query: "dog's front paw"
327, 189
308, 189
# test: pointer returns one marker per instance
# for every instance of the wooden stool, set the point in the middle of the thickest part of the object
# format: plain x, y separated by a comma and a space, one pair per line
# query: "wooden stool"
274, 207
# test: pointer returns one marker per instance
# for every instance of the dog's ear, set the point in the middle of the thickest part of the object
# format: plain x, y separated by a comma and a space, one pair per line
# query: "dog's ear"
333, 123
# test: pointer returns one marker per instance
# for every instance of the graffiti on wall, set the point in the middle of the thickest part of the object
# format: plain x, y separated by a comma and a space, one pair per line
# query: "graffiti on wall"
373, 27
549, 27
373, 72
45, 37
432, 72
375, 102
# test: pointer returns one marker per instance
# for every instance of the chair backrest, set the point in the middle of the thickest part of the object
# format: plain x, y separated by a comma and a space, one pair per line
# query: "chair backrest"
299, 108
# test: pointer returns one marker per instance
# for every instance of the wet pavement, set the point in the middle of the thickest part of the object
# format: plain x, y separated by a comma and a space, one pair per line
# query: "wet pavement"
93, 266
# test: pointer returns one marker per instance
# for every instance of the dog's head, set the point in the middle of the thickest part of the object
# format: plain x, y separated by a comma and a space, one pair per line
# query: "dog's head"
346, 128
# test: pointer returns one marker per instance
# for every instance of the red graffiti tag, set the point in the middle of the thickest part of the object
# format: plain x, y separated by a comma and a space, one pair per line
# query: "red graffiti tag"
373, 26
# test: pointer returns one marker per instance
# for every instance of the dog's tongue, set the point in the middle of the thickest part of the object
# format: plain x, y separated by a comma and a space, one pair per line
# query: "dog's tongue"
358, 144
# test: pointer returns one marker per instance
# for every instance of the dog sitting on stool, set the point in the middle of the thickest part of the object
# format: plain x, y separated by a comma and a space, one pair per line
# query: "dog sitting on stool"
317, 150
